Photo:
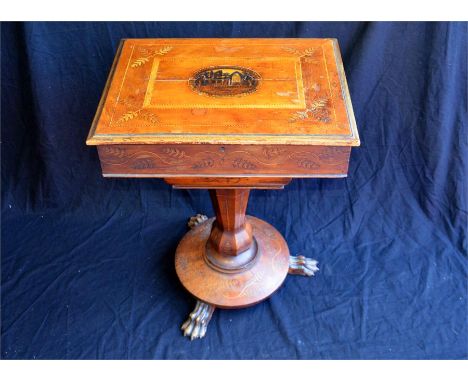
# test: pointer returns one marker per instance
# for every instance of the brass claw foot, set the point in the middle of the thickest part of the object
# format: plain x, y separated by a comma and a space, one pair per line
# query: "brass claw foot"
196, 220
196, 324
301, 265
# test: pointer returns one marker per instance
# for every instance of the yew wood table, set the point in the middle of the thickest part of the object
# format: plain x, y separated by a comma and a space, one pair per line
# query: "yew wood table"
228, 115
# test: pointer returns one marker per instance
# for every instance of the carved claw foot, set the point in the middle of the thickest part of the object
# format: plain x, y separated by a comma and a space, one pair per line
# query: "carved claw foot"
301, 265
196, 220
196, 324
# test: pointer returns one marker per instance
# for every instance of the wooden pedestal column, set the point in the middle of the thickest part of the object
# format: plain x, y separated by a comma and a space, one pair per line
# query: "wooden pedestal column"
231, 246
233, 260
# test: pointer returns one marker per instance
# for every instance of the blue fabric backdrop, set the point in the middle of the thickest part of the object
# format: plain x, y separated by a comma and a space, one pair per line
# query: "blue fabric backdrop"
88, 263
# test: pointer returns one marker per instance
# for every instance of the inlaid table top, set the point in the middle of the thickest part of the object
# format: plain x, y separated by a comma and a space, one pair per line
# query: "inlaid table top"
225, 108
226, 91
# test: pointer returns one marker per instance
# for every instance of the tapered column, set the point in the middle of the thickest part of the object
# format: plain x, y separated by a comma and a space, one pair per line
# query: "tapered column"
231, 234
231, 246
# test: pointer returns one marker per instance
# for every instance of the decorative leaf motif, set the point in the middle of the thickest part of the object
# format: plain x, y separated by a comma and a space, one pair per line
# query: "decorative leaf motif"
129, 115
117, 152
318, 104
147, 54
140, 61
173, 153
317, 109
149, 116
204, 163
299, 115
140, 113
322, 116
305, 53
243, 164
143, 163
307, 163
308, 52
272, 152
164, 50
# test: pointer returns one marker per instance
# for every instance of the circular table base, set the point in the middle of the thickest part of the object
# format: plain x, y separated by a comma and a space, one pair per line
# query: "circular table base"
233, 290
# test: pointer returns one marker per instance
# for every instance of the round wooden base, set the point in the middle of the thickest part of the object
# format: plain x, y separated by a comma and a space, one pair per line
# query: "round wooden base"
233, 290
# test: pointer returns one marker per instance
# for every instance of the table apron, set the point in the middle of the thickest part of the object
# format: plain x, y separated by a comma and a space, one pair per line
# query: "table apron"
202, 160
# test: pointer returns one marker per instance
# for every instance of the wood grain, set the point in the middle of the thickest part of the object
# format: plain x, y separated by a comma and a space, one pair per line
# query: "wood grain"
233, 290
231, 246
301, 97
230, 183
223, 160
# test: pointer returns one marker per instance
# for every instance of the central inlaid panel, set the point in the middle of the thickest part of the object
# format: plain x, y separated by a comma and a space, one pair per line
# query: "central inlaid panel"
279, 83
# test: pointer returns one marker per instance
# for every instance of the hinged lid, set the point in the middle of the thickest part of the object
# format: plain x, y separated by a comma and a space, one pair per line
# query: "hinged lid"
226, 91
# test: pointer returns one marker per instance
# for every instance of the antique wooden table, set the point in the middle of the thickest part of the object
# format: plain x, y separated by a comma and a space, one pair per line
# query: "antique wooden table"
228, 115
